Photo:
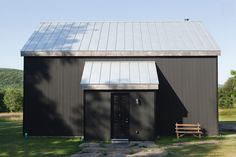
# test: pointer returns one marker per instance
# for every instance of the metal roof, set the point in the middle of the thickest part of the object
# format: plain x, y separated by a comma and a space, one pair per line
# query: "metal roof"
186, 38
120, 75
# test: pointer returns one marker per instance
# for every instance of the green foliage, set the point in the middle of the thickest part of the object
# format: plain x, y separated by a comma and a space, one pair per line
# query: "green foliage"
227, 93
11, 85
11, 78
13, 98
3, 107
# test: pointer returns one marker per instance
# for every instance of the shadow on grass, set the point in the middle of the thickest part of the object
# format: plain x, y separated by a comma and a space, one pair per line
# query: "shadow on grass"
189, 146
13, 144
227, 122
205, 146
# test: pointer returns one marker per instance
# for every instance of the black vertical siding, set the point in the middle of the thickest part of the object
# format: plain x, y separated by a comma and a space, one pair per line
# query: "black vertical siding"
187, 93
142, 115
53, 97
53, 102
97, 115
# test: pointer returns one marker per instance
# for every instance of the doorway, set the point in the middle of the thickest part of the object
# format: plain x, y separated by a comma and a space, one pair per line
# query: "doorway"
120, 106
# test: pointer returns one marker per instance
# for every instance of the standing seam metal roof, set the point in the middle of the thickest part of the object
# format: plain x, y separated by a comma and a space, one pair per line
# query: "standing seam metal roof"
120, 39
120, 75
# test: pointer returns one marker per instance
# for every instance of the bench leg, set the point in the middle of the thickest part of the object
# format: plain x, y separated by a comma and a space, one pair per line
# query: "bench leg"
177, 134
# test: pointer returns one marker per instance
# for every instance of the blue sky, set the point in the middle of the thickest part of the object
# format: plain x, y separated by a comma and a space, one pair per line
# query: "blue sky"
19, 18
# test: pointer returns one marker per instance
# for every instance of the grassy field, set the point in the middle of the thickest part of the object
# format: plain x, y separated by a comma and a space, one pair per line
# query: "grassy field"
11, 117
227, 115
12, 143
220, 146
223, 145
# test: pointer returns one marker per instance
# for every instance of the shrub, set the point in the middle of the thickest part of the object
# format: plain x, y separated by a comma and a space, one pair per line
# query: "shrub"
13, 98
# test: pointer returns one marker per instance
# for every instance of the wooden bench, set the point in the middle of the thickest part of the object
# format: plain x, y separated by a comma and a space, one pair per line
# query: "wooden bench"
182, 129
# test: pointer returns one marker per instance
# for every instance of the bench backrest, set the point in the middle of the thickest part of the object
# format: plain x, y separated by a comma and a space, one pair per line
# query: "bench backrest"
193, 127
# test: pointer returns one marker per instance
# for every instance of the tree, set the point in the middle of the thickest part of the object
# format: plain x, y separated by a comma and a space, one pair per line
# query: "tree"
3, 107
13, 98
227, 93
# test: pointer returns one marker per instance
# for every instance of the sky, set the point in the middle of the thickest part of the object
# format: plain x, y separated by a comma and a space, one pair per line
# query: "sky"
19, 18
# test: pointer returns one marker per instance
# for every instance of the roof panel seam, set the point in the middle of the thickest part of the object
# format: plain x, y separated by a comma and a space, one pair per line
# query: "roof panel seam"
210, 38
110, 73
148, 73
158, 35
50, 37
42, 36
139, 73
149, 35
108, 35
73, 41
141, 35
91, 36
83, 36
100, 35
100, 72
90, 72
116, 34
58, 38
65, 37
198, 36
132, 34
124, 37
190, 37
32, 37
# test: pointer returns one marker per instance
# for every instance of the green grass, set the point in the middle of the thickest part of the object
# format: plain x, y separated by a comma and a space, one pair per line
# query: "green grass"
222, 146
227, 115
12, 143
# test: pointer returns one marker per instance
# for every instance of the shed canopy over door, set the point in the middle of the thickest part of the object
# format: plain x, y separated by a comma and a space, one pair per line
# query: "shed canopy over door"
119, 75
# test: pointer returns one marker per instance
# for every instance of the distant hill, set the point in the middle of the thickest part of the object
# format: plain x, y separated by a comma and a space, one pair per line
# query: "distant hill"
11, 78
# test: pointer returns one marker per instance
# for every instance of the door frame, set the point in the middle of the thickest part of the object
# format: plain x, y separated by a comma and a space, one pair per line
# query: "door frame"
112, 115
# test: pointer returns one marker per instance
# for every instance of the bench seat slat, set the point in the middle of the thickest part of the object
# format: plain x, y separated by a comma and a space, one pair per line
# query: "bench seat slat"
188, 128
190, 132
187, 125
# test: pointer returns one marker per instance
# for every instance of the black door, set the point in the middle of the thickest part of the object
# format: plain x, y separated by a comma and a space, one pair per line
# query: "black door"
120, 115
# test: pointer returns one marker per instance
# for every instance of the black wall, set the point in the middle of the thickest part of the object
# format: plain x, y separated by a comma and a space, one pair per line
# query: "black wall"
98, 115
53, 99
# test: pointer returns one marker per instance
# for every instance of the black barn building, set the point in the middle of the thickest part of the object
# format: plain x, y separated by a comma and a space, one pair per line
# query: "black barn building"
119, 80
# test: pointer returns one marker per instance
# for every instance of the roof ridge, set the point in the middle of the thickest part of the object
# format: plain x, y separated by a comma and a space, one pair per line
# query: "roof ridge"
133, 21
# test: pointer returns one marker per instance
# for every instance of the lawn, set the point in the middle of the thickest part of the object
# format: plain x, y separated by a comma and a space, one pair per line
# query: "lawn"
227, 115
221, 146
12, 143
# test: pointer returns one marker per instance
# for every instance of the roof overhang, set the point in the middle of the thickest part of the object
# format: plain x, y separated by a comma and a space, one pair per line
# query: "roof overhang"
120, 75
123, 53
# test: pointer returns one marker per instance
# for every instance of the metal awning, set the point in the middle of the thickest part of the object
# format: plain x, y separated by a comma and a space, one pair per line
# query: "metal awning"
120, 75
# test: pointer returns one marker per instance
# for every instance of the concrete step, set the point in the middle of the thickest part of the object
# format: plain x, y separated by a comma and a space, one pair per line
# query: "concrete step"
120, 141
